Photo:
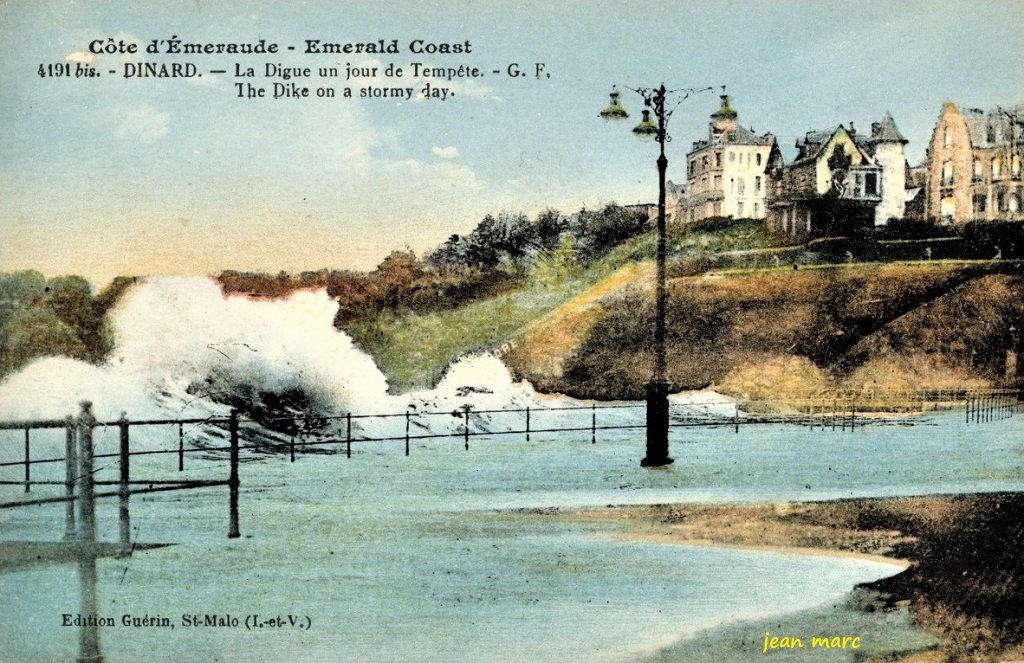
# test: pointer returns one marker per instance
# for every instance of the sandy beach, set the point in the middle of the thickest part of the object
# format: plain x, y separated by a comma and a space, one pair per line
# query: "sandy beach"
960, 556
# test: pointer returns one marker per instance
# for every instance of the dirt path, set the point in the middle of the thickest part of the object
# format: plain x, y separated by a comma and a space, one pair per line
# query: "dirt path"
545, 344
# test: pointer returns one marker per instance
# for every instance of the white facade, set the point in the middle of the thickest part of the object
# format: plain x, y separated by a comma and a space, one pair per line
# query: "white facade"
726, 173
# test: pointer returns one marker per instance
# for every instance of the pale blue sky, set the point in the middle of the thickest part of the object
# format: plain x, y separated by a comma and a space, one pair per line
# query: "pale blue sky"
111, 176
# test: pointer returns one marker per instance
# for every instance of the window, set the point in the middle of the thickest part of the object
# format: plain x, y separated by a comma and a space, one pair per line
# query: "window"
732, 157
947, 208
757, 181
758, 159
718, 182
947, 172
871, 184
693, 166
718, 159
1001, 201
980, 201
732, 185
991, 133
741, 186
979, 170
997, 167
947, 138
739, 209
704, 162
757, 211
1015, 168
1014, 203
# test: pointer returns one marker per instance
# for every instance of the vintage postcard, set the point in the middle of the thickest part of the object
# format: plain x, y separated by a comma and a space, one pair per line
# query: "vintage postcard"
479, 331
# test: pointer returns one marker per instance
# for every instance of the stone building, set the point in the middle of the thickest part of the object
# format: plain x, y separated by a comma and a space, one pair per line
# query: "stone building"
725, 174
840, 181
973, 165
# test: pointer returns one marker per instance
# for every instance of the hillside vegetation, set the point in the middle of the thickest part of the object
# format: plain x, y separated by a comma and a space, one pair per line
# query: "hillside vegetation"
58, 316
567, 302
805, 333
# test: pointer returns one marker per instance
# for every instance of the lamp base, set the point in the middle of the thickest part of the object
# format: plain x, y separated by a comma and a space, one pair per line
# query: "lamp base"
657, 425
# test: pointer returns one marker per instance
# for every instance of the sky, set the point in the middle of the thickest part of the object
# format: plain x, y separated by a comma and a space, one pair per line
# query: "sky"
132, 176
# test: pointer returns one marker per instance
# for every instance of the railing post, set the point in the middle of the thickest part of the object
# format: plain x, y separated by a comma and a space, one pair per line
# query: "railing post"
407, 432
233, 478
465, 430
88, 636
123, 494
294, 433
736, 418
593, 423
86, 497
28, 463
527, 423
348, 434
181, 447
71, 472
967, 409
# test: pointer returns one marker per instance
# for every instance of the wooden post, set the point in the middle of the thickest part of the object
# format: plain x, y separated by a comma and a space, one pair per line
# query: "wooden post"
967, 409
295, 423
124, 519
86, 496
465, 432
348, 434
70, 474
407, 432
853, 416
527, 423
233, 478
28, 464
736, 418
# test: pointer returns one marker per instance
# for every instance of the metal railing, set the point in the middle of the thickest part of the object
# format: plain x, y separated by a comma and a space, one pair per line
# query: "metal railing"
312, 434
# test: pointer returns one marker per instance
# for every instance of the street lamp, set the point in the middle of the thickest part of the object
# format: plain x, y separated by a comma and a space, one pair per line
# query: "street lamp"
657, 388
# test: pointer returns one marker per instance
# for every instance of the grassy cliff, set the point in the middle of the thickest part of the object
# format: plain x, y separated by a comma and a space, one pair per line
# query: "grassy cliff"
800, 333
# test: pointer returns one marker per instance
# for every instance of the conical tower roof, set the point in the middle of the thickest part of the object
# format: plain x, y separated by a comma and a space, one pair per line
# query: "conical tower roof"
886, 131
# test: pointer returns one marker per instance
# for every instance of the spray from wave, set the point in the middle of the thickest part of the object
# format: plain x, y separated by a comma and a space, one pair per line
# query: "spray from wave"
184, 350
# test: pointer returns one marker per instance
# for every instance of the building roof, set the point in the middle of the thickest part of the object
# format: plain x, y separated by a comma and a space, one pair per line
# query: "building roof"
994, 127
743, 136
814, 142
886, 131
737, 136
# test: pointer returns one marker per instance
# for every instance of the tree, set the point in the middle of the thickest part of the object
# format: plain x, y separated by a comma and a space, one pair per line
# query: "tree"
601, 231
35, 332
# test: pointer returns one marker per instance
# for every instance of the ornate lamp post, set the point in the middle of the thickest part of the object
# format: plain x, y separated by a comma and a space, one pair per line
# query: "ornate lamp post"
657, 388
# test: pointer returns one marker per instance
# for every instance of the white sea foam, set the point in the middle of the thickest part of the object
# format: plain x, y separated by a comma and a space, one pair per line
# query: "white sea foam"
184, 349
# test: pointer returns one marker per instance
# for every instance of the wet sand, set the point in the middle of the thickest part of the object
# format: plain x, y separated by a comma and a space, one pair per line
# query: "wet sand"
962, 556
